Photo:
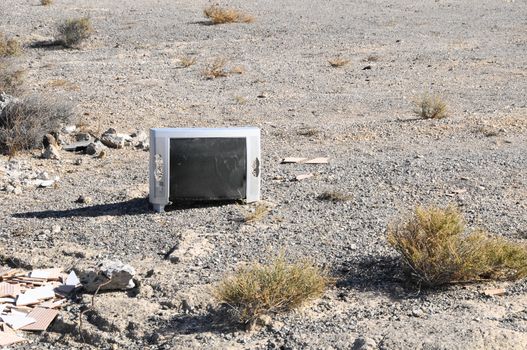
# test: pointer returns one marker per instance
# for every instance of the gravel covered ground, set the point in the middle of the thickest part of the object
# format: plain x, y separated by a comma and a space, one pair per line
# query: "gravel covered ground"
128, 76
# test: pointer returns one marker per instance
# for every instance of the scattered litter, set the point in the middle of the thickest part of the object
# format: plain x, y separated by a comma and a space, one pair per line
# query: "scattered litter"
494, 292
300, 160
29, 300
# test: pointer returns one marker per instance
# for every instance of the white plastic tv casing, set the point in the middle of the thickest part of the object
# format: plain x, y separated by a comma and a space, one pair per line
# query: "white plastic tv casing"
160, 147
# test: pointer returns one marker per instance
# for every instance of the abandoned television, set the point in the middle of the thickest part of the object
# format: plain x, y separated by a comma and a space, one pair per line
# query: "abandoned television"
204, 164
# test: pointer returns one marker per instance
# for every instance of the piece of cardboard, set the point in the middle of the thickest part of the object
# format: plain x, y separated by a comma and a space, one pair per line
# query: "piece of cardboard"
293, 160
48, 274
17, 321
303, 177
7, 338
494, 292
319, 160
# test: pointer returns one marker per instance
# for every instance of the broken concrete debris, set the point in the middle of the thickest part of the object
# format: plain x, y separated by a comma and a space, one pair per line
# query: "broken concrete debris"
95, 148
112, 139
109, 275
29, 300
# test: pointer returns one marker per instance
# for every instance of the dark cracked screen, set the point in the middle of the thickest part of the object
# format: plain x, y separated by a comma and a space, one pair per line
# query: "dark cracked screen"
208, 168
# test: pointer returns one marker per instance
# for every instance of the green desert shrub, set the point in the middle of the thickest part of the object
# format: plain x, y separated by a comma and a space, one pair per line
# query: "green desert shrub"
431, 107
73, 31
279, 286
436, 250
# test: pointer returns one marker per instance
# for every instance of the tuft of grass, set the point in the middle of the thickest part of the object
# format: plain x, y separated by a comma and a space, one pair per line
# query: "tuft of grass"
338, 62
334, 196
11, 78
187, 61
260, 211
74, 31
220, 15
24, 122
46, 2
308, 132
263, 289
217, 69
9, 47
240, 100
436, 250
431, 107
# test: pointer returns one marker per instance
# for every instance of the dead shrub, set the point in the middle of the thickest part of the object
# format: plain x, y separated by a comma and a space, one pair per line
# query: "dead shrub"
431, 107
187, 61
308, 132
24, 122
9, 47
220, 15
257, 290
73, 31
11, 78
338, 62
436, 250
334, 196
46, 2
217, 69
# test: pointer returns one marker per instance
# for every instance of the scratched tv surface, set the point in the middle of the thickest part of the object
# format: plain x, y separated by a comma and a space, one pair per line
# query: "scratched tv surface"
208, 168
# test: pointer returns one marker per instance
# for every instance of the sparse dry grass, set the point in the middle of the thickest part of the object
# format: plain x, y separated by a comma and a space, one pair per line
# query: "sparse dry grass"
279, 286
187, 61
220, 15
24, 123
46, 2
338, 62
436, 250
73, 32
431, 107
258, 214
334, 196
240, 100
9, 47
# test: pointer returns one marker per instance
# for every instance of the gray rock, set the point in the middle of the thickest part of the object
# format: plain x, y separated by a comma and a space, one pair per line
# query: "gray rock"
94, 148
84, 200
364, 343
109, 275
68, 129
112, 139
51, 152
83, 137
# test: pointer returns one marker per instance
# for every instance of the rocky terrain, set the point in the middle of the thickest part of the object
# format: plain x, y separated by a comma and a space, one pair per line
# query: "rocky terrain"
128, 76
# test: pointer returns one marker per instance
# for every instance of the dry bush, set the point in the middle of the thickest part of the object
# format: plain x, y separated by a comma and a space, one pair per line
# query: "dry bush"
187, 61
334, 196
220, 15
217, 69
23, 123
431, 107
338, 62
11, 78
73, 31
9, 47
436, 250
308, 132
46, 2
257, 289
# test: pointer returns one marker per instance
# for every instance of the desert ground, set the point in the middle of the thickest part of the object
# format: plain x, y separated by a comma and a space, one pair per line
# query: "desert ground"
128, 76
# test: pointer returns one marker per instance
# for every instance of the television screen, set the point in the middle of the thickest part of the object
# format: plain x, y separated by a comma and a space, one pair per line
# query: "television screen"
208, 168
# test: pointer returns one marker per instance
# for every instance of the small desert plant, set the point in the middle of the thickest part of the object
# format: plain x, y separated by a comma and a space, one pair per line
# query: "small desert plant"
338, 62
334, 196
23, 123
220, 15
187, 61
217, 69
260, 211
9, 47
309, 132
279, 286
11, 78
431, 107
436, 250
46, 2
73, 31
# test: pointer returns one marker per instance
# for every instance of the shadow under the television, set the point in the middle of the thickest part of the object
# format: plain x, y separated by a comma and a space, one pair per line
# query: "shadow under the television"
136, 206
